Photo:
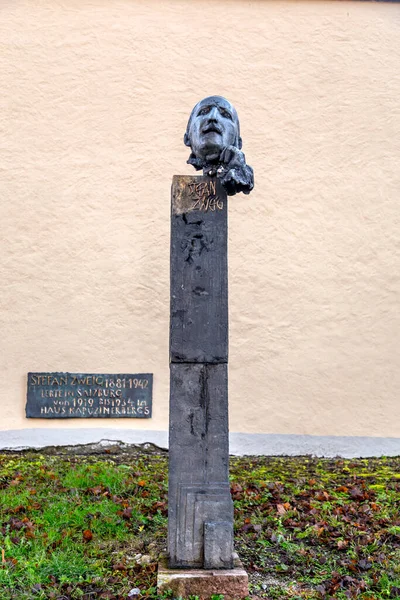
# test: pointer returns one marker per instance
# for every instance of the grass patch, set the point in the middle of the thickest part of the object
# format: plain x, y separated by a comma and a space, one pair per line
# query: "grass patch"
73, 527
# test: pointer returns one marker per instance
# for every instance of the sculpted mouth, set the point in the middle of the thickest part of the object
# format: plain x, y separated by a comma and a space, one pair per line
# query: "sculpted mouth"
212, 129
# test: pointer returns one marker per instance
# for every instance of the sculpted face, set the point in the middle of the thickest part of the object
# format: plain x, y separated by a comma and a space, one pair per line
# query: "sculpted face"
213, 125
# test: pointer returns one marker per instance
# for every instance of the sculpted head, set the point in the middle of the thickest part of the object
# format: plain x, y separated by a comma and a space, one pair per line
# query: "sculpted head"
213, 125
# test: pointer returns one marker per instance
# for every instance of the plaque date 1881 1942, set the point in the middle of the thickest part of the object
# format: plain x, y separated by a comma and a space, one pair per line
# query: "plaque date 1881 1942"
82, 395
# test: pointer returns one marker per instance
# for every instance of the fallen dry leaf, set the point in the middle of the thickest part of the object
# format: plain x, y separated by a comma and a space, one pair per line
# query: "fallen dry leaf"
87, 535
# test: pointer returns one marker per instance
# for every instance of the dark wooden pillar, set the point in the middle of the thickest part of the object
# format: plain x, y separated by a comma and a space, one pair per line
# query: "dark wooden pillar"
200, 514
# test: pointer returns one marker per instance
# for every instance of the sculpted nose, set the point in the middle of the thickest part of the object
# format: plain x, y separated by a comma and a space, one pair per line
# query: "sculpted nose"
213, 114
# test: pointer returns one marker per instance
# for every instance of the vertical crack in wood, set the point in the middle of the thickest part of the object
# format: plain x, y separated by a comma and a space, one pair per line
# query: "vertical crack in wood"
204, 403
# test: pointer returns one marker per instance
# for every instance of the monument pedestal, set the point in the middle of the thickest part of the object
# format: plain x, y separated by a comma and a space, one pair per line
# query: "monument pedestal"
232, 583
200, 507
201, 559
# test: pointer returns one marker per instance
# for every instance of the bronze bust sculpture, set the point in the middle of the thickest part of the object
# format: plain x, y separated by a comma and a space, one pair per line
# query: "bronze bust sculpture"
213, 134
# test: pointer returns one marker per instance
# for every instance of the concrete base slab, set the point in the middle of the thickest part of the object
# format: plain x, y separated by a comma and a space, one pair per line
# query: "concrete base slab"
232, 583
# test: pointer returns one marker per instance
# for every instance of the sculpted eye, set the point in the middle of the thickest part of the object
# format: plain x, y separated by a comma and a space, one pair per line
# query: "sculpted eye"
225, 113
204, 110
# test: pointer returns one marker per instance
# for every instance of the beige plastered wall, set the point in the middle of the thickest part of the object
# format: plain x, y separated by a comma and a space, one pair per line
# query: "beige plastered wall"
95, 96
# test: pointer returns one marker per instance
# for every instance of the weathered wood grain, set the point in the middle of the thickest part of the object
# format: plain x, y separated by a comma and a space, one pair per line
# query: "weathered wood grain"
199, 283
198, 467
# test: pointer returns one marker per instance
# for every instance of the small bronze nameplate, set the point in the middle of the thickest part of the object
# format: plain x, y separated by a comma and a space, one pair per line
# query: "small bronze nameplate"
82, 395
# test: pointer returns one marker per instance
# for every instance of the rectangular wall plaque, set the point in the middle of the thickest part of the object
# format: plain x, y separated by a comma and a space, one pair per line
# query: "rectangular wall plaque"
83, 395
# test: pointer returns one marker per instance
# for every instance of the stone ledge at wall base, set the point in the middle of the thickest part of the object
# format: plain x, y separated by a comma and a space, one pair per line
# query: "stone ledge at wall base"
232, 583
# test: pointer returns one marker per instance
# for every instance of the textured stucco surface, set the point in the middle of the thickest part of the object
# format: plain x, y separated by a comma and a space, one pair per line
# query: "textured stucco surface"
95, 98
